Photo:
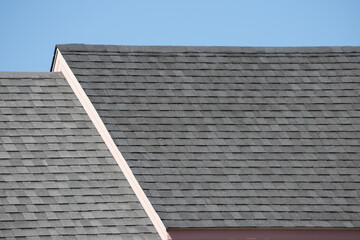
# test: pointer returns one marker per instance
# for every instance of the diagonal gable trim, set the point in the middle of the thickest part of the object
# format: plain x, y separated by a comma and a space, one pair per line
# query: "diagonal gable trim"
60, 65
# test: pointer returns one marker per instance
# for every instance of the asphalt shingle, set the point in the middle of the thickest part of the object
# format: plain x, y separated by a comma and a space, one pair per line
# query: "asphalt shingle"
57, 177
231, 136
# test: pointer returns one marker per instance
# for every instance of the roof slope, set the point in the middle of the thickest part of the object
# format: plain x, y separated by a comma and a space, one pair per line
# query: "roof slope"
57, 177
230, 136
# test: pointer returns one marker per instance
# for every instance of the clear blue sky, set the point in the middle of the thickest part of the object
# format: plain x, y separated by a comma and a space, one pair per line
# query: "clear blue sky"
30, 29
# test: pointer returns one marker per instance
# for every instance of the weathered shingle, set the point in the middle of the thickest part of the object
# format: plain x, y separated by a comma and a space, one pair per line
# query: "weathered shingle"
230, 136
57, 177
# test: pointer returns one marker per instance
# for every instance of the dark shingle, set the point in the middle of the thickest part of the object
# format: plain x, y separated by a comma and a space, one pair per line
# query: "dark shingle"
232, 136
57, 177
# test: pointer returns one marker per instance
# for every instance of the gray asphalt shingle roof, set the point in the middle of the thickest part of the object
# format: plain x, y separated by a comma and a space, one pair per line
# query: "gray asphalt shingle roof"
231, 136
57, 177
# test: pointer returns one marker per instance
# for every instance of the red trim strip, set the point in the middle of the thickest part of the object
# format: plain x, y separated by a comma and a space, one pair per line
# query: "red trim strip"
264, 234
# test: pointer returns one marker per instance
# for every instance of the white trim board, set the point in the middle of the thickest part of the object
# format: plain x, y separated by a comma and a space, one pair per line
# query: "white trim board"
60, 65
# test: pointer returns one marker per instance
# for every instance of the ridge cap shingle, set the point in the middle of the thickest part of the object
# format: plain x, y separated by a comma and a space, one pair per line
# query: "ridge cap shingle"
204, 49
10, 74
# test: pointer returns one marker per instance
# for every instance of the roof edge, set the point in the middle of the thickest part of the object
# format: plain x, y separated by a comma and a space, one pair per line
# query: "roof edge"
54, 58
265, 234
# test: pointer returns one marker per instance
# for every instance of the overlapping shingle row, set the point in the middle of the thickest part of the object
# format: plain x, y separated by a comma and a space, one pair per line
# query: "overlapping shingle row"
58, 180
233, 137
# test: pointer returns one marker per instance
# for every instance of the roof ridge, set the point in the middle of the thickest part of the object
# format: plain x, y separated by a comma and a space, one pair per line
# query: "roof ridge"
204, 49
6, 74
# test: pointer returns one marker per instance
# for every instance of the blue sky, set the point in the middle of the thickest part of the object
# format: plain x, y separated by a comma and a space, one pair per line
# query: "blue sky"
31, 29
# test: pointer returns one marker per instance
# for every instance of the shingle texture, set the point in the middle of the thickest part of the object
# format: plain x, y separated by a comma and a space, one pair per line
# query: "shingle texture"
57, 177
233, 137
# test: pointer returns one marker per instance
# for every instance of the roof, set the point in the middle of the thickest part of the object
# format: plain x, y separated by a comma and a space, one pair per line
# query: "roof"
57, 177
233, 136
